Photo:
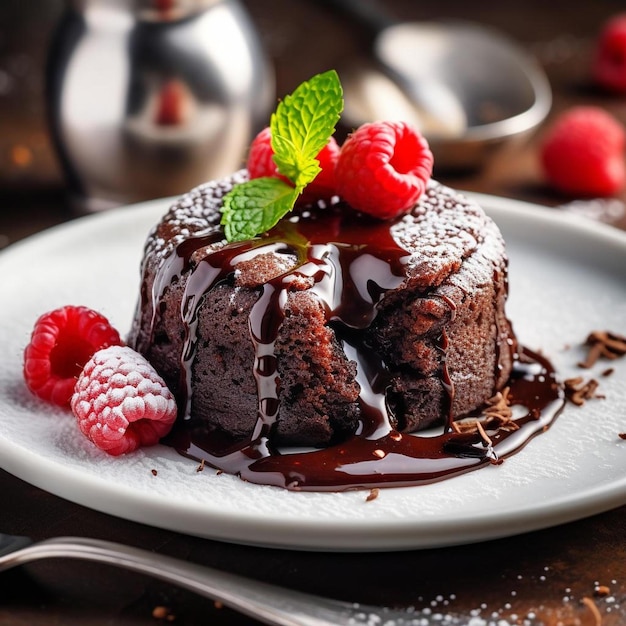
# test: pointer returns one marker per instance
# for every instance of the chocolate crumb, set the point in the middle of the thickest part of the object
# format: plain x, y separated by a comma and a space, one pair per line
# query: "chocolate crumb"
591, 605
607, 372
603, 344
578, 391
154, 472
372, 495
601, 591
162, 612
622, 436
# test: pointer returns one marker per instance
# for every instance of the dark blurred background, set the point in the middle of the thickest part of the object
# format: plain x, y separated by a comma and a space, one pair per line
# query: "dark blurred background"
301, 38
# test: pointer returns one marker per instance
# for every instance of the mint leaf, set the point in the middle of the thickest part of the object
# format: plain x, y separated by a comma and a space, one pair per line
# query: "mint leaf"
255, 206
302, 125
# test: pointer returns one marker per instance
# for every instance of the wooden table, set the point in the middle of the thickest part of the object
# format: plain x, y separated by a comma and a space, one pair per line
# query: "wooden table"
554, 574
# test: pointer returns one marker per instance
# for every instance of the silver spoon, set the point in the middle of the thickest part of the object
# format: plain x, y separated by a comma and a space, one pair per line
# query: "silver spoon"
466, 86
264, 602
433, 106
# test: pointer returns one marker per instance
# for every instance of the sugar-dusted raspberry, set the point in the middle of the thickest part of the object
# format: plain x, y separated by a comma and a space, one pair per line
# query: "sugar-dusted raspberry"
121, 403
583, 153
260, 163
609, 63
383, 168
62, 341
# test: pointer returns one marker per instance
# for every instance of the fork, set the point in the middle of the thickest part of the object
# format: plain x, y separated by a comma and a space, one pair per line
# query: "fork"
266, 603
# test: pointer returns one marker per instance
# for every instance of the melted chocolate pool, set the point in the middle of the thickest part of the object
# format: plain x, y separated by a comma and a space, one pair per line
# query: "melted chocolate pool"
349, 267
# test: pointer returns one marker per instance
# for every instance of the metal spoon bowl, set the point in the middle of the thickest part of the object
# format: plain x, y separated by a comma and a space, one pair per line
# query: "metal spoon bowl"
466, 86
266, 603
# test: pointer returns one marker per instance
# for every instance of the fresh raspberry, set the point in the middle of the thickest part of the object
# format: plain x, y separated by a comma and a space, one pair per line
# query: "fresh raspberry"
121, 403
583, 153
383, 168
61, 343
260, 163
609, 64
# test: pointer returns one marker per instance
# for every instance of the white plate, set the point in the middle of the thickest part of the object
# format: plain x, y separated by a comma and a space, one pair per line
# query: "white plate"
567, 278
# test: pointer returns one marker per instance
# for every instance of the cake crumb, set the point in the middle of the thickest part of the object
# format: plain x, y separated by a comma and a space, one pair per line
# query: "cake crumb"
605, 344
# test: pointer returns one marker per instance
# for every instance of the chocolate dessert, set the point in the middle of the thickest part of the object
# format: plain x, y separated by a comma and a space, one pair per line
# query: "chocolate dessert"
330, 324
342, 323
289, 318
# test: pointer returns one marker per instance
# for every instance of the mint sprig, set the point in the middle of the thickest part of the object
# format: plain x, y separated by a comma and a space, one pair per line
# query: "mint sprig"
300, 127
250, 209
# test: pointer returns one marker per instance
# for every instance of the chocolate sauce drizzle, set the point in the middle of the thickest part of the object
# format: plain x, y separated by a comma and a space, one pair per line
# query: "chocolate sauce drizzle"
349, 267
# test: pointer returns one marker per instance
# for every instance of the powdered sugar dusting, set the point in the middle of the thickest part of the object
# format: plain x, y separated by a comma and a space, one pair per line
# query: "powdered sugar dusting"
444, 229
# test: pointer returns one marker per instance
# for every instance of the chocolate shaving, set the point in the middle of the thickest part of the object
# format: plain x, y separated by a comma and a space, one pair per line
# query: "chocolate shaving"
499, 405
603, 344
622, 436
372, 495
591, 605
578, 391
497, 415
484, 436
200, 467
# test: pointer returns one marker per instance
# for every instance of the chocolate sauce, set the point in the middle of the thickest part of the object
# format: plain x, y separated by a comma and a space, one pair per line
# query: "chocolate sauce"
349, 267
384, 457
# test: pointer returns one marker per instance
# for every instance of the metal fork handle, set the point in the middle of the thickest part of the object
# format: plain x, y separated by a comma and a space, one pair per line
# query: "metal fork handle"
264, 602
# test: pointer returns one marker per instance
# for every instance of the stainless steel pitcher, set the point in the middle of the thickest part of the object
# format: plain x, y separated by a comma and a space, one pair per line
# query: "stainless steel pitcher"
148, 98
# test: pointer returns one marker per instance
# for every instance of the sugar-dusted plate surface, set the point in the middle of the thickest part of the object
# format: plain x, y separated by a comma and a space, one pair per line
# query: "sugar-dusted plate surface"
567, 277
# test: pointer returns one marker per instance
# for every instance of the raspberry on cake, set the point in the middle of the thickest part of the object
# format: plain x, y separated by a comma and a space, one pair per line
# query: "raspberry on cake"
383, 168
261, 163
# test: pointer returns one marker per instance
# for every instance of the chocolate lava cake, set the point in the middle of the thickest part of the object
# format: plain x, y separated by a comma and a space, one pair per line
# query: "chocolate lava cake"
329, 316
